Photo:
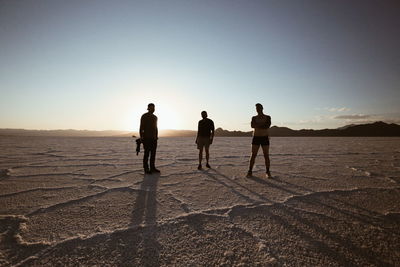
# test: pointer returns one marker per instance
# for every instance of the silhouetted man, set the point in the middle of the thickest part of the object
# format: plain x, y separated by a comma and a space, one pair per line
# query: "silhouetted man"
261, 124
205, 136
149, 135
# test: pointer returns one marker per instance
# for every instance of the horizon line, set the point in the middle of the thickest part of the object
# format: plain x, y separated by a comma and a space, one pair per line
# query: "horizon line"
133, 131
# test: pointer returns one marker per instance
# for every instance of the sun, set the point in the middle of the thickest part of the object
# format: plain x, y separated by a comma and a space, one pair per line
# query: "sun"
167, 109
168, 118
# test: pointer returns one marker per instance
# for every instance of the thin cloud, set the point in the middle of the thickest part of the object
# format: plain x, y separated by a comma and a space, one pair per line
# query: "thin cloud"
337, 109
353, 117
369, 118
315, 119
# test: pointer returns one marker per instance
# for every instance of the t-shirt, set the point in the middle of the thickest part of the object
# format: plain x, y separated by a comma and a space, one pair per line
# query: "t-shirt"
261, 124
148, 126
205, 127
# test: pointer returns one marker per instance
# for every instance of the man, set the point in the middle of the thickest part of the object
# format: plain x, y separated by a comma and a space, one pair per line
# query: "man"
149, 135
205, 136
261, 124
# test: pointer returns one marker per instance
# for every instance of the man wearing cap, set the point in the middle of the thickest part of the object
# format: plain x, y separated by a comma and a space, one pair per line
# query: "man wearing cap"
149, 135
260, 124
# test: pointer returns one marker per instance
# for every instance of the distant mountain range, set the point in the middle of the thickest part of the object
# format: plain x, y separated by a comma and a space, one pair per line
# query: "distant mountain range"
372, 129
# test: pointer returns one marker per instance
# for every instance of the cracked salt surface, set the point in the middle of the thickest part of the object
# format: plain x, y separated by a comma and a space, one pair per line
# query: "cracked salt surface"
86, 201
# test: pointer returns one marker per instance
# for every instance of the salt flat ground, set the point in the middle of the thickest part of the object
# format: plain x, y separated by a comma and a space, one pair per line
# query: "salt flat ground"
86, 201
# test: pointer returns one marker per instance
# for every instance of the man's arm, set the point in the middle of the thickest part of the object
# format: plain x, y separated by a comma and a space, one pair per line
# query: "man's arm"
212, 131
198, 130
263, 125
268, 121
253, 123
141, 128
156, 128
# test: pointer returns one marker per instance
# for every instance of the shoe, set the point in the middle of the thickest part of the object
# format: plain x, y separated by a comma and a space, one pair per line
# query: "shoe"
208, 166
268, 175
155, 170
147, 171
199, 167
249, 174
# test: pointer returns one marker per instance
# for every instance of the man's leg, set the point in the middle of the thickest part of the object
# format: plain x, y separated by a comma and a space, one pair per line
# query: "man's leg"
153, 156
207, 148
266, 157
200, 157
254, 151
146, 156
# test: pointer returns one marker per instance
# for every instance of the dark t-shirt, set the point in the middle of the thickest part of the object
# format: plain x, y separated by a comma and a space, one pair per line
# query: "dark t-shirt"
148, 126
205, 127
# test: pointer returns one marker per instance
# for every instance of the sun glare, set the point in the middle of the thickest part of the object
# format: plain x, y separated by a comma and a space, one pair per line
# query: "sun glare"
166, 106
168, 118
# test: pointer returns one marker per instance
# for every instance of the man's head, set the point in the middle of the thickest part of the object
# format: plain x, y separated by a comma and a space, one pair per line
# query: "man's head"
259, 108
151, 107
204, 114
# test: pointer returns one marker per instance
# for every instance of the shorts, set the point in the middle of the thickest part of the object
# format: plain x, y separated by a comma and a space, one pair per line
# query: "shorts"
260, 140
203, 142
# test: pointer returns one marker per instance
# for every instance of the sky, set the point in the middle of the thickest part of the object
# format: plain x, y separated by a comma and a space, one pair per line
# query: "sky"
95, 65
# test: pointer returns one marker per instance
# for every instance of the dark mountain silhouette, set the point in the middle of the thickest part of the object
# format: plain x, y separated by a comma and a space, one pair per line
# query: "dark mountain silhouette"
222, 132
372, 129
346, 126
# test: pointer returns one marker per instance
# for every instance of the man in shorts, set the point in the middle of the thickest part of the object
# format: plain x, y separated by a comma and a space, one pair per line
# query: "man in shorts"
261, 124
205, 136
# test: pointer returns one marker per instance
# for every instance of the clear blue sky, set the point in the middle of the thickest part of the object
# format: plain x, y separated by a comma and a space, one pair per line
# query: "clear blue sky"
96, 64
